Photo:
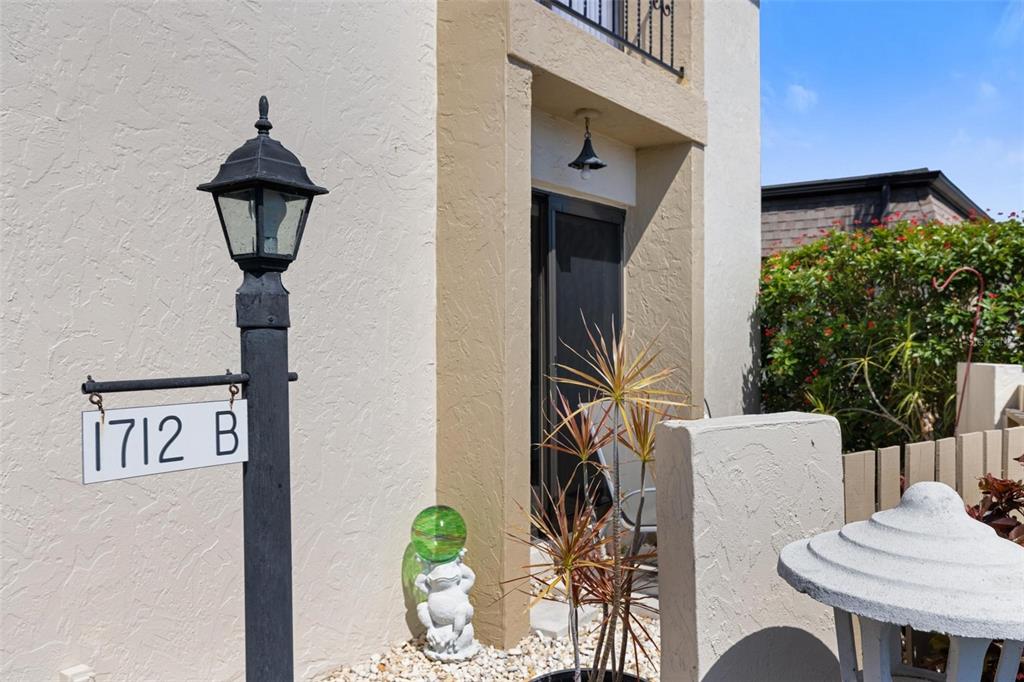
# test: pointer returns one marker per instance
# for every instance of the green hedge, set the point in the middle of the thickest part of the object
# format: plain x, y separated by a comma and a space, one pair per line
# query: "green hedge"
851, 313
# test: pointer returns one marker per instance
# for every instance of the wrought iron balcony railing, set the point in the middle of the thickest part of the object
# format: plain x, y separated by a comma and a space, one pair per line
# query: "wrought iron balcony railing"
647, 27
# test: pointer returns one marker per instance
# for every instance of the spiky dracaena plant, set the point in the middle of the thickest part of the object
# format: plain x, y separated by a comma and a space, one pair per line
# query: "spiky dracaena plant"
572, 545
598, 590
579, 435
626, 387
575, 567
640, 439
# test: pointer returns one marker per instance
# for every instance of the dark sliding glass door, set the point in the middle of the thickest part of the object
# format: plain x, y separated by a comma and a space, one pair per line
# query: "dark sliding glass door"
577, 276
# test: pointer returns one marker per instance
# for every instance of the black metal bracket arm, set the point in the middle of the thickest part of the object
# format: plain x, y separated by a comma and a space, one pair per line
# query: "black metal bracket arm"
91, 386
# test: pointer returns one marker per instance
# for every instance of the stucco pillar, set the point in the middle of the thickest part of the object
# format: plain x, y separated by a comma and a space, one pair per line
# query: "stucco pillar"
483, 304
690, 41
990, 389
732, 492
664, 278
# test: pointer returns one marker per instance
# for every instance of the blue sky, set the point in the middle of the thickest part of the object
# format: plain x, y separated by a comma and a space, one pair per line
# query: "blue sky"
850, 87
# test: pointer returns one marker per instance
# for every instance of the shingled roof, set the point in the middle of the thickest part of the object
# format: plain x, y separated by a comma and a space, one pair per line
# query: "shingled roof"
793, 212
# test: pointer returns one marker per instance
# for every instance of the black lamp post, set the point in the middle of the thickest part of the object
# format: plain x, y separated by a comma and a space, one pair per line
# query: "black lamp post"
263, 196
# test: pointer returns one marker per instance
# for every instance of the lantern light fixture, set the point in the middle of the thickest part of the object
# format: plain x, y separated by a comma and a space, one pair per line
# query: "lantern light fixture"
263, 196
587, 161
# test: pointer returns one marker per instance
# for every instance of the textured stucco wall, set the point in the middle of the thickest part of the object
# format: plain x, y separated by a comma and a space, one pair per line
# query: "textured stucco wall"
112, 264
591, 73
498, 61
732, 204
664, 269
990, 390
733, 492
556, 142
483, 292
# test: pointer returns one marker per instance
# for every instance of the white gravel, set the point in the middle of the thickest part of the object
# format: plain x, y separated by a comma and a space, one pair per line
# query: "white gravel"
534, 656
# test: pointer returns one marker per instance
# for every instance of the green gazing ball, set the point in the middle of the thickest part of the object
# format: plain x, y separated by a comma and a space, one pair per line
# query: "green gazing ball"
438, 534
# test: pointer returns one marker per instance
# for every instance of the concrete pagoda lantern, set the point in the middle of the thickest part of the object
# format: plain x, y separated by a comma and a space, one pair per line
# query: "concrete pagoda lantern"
925, 564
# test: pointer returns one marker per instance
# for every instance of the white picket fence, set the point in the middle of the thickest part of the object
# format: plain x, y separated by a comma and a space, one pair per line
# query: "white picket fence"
871, 478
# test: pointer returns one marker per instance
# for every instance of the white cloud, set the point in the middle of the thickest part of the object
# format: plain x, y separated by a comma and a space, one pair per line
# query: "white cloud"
799, 98
1011, 23
987, 90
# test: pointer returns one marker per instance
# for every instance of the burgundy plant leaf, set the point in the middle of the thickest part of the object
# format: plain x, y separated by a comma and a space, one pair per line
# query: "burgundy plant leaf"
1017, 534
1003, 525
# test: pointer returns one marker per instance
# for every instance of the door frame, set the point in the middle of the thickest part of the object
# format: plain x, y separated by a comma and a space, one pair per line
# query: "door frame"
551, 204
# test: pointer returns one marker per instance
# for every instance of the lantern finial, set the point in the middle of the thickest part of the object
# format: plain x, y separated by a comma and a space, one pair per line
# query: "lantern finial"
264, 125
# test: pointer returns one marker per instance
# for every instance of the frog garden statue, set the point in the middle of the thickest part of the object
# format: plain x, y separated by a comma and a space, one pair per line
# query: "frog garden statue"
439, 536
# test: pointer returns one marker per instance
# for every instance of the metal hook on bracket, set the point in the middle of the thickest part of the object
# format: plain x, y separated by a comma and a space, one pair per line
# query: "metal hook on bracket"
97, 400
233, 390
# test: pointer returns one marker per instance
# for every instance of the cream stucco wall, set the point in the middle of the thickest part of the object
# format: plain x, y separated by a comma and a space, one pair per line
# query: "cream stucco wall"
555, 142
732, 204
499, 62
483, 283
726, 615
990, 389
112, 264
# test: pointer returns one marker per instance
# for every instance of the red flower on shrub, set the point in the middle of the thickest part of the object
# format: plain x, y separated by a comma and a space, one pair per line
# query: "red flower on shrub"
901, 238
875, 221
822, 361
871, 324
767, 278
828, 331
991, 295
793, 266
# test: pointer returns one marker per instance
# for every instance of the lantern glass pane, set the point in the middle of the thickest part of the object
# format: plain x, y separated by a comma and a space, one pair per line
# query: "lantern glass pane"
238, 212
282, 216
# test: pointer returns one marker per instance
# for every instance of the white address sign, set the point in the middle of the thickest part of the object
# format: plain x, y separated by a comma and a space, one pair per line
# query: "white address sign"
138, 441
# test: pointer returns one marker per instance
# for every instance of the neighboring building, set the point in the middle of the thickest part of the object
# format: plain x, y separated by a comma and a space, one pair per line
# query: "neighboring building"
454, 246
796, 211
